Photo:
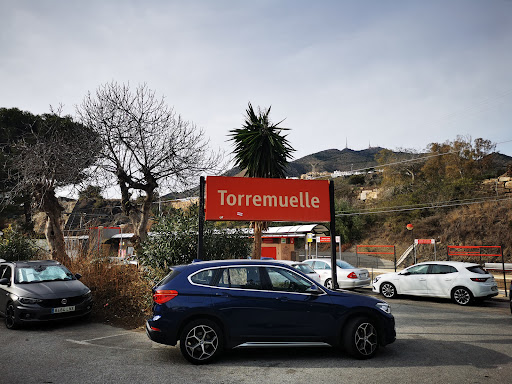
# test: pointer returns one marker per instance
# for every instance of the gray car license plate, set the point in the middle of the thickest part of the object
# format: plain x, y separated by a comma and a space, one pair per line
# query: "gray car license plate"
63, 309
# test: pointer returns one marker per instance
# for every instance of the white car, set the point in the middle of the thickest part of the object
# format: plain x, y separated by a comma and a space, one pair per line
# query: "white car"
347, 275
462, 282
304, 268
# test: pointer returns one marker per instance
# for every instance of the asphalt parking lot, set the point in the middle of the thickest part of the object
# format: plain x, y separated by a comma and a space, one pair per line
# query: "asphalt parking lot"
436, 341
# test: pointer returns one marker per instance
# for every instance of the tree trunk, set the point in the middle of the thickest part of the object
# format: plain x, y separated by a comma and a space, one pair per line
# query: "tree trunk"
53, 231
138, 217
55, 238
140, 225
27, 212
258, 229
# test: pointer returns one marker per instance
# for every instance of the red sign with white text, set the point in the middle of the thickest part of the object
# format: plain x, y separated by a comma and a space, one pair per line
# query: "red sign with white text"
250, 198
424, 241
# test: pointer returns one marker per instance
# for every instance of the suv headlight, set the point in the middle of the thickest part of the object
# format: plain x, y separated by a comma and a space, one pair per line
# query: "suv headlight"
28, 300
376, 279
87, 295
384, 307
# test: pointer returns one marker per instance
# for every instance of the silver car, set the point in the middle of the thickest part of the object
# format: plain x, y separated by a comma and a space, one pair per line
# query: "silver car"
305, 269
348, 276
43, 290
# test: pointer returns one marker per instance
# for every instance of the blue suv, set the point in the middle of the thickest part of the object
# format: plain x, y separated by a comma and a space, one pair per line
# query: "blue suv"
214, 305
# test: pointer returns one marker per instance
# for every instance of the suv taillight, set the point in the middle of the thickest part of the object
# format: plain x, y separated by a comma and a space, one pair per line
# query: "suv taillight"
479, 279
163, 296
352, 275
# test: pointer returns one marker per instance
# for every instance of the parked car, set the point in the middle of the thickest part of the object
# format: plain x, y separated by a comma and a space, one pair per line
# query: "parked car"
304, 268
462, 282
214, 305
348, 276
43, 290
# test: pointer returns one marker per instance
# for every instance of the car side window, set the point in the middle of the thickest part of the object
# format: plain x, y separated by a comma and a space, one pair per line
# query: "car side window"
240, 277
321, 265
418, 269
439, 269
5, 272
283, 280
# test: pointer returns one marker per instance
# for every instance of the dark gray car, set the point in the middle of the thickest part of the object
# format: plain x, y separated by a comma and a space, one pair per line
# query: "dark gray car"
42, 290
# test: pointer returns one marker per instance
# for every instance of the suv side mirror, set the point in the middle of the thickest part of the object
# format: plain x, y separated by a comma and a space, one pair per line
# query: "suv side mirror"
314, 290
4, 281
78, 276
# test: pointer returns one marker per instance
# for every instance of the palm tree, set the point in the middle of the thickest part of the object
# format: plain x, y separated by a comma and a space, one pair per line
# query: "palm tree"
261, 151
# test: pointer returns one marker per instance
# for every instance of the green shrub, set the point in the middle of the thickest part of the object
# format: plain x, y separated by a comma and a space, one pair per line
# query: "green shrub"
14, 245
174, 241
356, 179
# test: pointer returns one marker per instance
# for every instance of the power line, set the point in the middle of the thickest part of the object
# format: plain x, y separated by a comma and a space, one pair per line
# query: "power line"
441, 205
431, 204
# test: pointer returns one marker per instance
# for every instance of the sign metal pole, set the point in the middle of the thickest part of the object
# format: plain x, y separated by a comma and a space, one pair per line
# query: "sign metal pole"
504, 273
333, 236
201, 218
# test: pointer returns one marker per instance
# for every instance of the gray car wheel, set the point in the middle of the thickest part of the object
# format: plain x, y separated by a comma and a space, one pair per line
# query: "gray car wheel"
462, 296
201, 341
10, 317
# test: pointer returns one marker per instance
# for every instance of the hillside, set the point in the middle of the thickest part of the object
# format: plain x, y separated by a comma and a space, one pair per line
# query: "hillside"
348, 159
329, 160
333, 160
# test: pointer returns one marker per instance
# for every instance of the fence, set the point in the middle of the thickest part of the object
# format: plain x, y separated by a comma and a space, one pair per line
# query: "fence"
375, 252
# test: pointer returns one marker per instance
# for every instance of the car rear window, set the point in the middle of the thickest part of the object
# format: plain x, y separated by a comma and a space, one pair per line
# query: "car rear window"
169, 277
204, 277
343, 264
477, 269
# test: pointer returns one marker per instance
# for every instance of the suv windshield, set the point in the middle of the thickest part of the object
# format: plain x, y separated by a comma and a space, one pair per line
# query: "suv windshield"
38, 273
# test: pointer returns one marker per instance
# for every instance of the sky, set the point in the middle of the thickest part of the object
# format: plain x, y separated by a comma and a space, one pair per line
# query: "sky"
394, 74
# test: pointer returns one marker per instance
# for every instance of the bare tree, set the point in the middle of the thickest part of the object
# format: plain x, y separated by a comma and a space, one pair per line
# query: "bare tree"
145, 145
53, 152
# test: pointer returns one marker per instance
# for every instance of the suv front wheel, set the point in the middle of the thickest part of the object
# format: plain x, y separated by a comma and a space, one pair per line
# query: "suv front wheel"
360, 338
201, 341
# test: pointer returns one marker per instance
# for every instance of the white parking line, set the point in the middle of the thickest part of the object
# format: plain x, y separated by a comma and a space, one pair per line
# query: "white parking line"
97, 338
90, 342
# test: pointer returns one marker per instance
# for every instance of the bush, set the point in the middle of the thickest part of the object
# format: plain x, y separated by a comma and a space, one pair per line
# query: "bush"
14, 245
122, 294
356, 179
175, 241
